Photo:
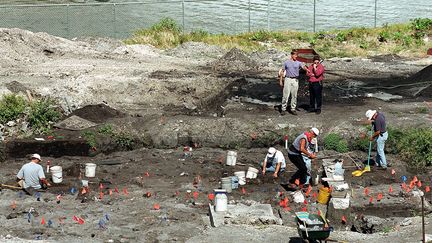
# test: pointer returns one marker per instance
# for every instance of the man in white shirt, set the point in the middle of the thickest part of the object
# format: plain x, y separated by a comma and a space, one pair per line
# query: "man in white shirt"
274, 162
31, 175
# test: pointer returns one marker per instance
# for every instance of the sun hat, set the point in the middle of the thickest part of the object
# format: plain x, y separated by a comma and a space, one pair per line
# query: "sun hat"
370, 113
36, 156
315, 130
271, 151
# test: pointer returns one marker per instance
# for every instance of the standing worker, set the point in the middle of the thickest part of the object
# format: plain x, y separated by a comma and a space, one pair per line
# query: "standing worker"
31, 176
296, 151
315, 72
274, 162
291, 71
380, 135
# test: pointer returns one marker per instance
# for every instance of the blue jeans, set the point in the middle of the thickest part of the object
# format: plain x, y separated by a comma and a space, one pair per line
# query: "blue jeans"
272, 168
380, 157
308, 163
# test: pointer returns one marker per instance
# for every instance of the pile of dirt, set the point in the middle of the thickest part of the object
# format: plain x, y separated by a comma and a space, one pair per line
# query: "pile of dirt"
236, 62
98, 113
196, 50
424, 79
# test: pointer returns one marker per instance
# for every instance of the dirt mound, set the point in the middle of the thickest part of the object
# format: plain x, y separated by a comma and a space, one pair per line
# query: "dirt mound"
195, 50
98, 113
423, 75
236, 62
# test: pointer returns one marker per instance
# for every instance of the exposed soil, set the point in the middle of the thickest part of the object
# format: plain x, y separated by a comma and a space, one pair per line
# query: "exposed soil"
200, 96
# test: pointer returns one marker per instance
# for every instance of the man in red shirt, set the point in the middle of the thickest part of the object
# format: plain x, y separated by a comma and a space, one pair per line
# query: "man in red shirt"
315, 72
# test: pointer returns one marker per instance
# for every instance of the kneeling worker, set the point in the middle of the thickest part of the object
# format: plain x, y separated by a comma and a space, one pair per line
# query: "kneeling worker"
31, 176
274, 162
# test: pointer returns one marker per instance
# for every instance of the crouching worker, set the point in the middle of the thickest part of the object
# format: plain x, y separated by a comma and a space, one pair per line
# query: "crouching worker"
296, 153
274, 162
313, 148
31, 176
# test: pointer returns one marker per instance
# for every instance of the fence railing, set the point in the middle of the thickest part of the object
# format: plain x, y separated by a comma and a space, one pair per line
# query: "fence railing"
119, 20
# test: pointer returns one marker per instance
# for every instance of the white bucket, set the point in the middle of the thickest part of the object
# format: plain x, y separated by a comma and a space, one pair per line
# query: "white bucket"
90, 170
227, 184
231, 158
57, 175
221, 200
252, 173
241, 177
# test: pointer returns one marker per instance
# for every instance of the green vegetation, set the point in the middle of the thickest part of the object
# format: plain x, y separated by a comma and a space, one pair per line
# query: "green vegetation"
334, 141
90, 138
42, 114
390, 39
124, 140
12, 107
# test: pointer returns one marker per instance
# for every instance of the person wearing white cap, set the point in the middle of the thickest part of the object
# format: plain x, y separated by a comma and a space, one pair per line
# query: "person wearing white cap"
274, 162
380, 135
296, 152
31, 175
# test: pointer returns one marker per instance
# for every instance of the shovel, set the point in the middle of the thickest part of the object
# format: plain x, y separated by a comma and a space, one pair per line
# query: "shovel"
367, 167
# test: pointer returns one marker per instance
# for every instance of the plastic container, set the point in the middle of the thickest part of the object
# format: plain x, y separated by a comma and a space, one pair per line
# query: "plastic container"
90, 170
221, 200
234, 182
252, 173
227, 184
323, 195
57, 174
231, 158
241, 175
338, 169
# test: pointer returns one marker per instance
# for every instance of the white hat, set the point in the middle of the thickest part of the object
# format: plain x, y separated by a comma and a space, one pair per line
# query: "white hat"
315, 130
36, 156
369, 114
271, 151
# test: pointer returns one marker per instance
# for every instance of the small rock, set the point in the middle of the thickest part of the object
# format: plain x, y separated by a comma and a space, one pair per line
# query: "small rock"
11, 123
406, 222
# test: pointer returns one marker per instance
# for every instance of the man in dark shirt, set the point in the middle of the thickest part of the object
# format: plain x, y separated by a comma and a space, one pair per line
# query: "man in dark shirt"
380, 135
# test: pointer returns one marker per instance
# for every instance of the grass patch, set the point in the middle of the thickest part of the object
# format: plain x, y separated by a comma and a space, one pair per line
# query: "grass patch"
392, 39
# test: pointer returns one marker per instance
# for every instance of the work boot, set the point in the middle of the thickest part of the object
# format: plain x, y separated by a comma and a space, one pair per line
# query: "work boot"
294, 112
318, 112
283, 113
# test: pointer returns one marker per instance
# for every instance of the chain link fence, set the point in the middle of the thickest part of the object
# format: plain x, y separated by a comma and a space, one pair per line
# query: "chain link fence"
119, 20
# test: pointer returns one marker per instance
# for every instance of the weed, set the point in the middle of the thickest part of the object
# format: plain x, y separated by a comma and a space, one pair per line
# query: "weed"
42, 114
422, 110
166, 24
386, 229
124, 140
334, 141
421, 27
106, 129
11, 107
90, 138
415, 147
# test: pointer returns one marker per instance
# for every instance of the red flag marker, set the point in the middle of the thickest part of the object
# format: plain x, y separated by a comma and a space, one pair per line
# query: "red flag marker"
101, 194
427, 189
177, 193
419, 184
195, 195
412, 183
308, 191
243, 190
287, 209
404, 186
314, 195
393, 172
379, 197
415, 179
371, 200
147, 174
408, 190
390, 189
297, 182
116, 190
101, 186
148, 194
110, 192
13, 205
304, 209
80, 221
211, 196
58, 197
43, 221
319, 213
125, 191
75, 218
156, 206
305, 202
366, 191
344, 221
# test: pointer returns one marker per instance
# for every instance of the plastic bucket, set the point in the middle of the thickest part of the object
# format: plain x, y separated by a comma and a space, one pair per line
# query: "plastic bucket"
234, 182
57, 174
231, 158
90, 170
227, 184
241, 175
221, 200
252, 173
323, 195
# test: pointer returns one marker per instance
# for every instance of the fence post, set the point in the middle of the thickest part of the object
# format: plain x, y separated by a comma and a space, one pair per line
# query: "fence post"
249, 16
268, 15
314, 14
183, 16
114, 20
67, 22
375, 23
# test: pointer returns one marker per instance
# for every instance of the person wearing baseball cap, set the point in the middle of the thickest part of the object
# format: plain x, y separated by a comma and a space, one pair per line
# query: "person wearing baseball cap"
274, 162
31, 176
380, 135
296, 152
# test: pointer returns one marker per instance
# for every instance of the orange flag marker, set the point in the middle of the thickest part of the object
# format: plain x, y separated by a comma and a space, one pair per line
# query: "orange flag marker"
379, 197
390, 189
371, 200
110, 192
156, 206
415, 179
427, 189
243, 190
344, 221
308, 191
116, 190
419, 184
211, 196
13, 205
43, 221
304, 209
393, 172
366, 191
101, 194
195, 195
297, 182
125, 191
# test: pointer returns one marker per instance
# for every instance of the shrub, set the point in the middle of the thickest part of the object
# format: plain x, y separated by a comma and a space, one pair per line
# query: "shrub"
421, 27
106, 129
166, 24
11, 107
90, 138
42, 114
415, 147
124, 140
334, 141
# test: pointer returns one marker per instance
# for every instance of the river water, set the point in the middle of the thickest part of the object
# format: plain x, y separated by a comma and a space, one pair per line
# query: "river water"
119, 18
